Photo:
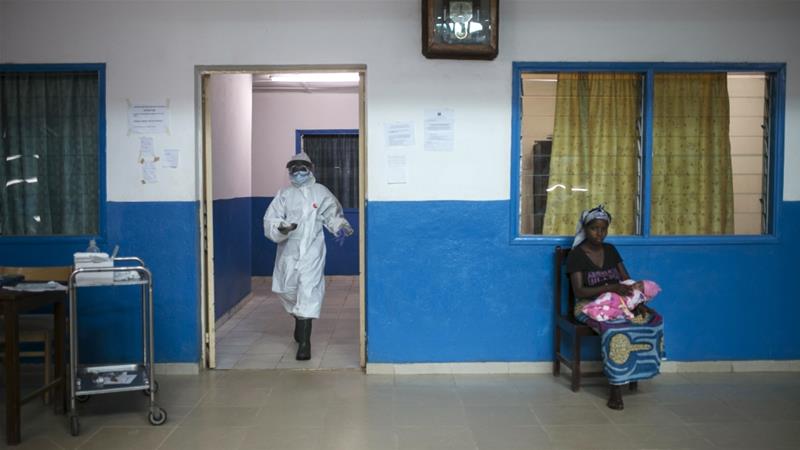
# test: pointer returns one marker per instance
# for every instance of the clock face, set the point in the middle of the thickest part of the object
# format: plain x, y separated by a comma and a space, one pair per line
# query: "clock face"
461, 15
460, 11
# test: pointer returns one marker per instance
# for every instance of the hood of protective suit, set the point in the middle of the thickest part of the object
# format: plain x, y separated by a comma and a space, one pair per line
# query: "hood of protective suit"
302, 157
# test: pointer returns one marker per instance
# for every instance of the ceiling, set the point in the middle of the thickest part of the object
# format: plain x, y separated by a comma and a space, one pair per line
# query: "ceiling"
263, 83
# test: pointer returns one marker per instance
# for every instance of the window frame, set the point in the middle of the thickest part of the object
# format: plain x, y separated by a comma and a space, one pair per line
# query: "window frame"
100, 237
777, 71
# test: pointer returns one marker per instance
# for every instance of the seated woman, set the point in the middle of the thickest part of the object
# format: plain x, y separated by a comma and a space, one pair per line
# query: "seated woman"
631, 348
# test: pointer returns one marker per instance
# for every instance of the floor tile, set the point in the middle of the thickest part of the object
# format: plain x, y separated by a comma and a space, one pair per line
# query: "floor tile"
248, 361
439, 438
707, 411
639, 414
766, 409
262, 327
779, 435
235, 396
369, 414
658, 436
239, 338
125, 438
282, 438
587, 437
310, 415
232, 349
488, 416
267, 348
201, 438
227, 361
569, 415
511, 438
407, 415
346, 409
222, 416
359, 438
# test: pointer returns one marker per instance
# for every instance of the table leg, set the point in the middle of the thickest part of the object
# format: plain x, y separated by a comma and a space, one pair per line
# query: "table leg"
12, 374
61, 372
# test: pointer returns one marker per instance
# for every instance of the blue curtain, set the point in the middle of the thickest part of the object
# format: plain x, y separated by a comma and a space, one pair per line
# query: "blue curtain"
49, 153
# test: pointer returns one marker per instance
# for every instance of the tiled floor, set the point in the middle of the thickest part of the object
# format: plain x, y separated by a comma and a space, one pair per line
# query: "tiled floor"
347, 410
260, 334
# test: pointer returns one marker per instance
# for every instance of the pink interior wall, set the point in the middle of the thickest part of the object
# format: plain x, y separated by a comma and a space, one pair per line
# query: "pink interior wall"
276, 116
230, 98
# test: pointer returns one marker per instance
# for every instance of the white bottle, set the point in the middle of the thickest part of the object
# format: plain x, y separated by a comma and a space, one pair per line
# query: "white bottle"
92, 248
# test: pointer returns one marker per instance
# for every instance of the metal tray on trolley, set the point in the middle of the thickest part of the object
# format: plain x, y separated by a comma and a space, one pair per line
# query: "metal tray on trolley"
93, 380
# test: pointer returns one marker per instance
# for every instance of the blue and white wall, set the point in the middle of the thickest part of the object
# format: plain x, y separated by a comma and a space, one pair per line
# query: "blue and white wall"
443, 281
276, 117
231, 106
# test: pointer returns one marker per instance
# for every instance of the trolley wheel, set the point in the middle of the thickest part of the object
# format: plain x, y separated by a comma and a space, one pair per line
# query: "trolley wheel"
153, 386
158, 418
74, 425
82, 398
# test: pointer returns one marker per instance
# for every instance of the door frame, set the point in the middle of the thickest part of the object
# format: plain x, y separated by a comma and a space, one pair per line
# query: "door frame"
203, 162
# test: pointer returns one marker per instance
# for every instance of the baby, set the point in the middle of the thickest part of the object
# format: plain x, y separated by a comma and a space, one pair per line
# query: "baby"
610, 306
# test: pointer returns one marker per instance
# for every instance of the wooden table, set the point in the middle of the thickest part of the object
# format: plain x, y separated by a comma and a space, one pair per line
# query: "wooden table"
13, 303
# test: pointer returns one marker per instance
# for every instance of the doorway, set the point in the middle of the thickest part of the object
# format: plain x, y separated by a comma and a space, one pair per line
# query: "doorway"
250, 330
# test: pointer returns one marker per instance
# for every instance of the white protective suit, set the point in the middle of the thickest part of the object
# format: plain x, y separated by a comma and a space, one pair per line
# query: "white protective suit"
298, 277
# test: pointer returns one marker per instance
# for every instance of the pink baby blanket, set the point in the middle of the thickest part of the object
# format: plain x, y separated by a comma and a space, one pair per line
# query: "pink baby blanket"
610, 306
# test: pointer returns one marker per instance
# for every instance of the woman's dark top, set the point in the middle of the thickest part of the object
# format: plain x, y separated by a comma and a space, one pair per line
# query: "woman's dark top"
593, 276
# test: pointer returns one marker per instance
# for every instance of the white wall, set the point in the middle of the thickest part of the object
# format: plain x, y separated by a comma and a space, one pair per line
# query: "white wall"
231, 105
276, 116
151, 49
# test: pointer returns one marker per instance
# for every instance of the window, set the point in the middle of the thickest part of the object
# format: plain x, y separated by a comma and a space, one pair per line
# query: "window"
669, 149
51, 164
335, 157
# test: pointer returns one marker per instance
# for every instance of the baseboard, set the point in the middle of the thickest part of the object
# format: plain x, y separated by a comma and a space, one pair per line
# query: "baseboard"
459, 368
540, 367
177, 368
730, 366
261, 281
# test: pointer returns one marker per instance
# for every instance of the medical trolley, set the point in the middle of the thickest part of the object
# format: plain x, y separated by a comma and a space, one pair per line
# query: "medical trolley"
88, 380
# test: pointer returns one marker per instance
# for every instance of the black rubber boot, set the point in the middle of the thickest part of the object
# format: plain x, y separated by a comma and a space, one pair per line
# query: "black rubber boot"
304, 346
297, 330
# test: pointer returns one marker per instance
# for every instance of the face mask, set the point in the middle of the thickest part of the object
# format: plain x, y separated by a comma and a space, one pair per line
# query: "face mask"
300, 177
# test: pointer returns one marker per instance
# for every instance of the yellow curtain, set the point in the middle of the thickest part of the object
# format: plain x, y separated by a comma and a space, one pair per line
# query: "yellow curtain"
595, 150
692, 185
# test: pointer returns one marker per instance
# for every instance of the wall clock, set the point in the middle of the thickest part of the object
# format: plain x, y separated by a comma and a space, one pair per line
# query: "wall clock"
459, 29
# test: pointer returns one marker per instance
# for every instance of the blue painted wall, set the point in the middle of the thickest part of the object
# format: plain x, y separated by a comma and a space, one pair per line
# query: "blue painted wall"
232, 252
339, 260
263, 249
165, 235
445, 285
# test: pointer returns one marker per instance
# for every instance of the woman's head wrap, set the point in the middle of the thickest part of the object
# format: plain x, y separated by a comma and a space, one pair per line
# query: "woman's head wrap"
587, 216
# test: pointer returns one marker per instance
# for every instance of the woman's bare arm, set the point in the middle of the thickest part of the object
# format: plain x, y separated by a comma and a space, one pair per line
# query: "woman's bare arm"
582, 291
623, 272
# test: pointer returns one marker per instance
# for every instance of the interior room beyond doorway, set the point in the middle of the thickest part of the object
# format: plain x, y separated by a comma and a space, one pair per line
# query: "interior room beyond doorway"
259, 335
253, 124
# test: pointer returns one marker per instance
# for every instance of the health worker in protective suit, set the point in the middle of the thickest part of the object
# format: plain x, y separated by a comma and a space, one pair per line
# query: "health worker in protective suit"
294, 221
